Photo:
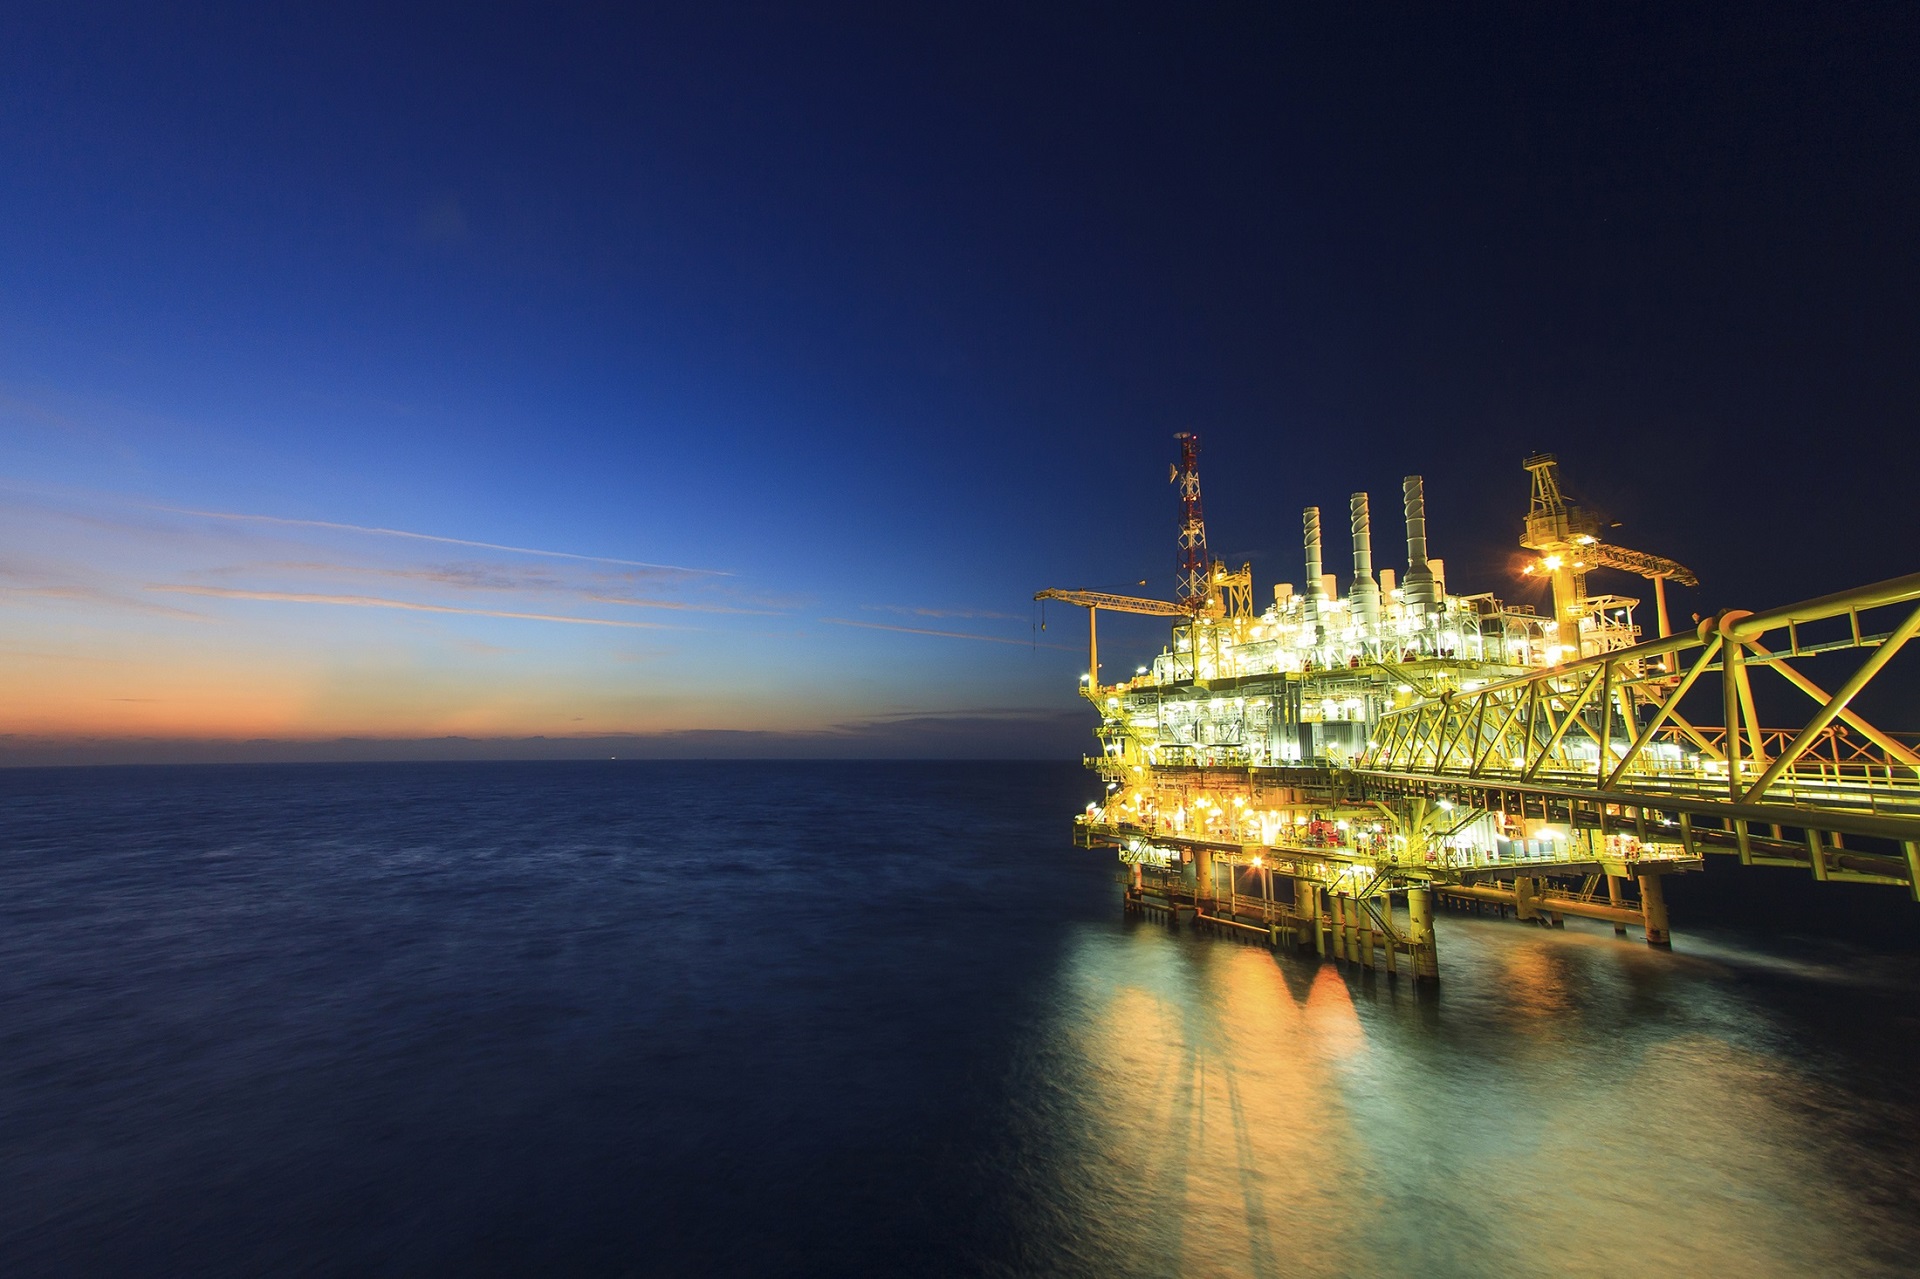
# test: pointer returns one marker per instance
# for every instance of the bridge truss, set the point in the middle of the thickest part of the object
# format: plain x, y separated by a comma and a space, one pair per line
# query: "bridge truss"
1608, 739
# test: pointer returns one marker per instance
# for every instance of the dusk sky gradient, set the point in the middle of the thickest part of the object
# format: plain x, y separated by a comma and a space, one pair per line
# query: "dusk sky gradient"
721, 380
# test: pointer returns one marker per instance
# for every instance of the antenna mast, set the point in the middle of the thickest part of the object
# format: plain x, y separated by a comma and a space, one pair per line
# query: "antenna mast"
1194, 586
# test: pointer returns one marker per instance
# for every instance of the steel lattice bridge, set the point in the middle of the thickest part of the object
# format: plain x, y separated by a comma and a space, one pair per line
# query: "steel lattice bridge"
1292, 774
1605, 735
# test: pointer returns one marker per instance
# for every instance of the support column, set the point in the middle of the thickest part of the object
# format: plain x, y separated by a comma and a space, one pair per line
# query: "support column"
1426, 963
1613, 899
1669, 663
1093, 651
1815, 856
1202, 875
1523, 894
1313, 919
1653, 910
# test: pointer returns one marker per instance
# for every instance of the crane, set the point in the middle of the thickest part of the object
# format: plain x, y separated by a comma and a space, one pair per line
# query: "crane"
1568, 540
1197, 578
1093, 602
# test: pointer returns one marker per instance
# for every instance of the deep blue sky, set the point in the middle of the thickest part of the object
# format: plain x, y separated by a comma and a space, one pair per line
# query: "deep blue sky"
889, 315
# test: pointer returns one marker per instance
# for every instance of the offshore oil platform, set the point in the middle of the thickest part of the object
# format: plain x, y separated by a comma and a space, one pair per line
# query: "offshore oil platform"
1323, 770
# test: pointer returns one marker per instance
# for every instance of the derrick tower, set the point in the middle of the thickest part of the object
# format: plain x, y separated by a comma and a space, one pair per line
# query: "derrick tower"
1193, 587
1568, 539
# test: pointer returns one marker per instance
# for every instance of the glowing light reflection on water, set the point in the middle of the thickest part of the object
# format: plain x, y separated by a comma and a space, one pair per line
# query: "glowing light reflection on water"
1569, 1103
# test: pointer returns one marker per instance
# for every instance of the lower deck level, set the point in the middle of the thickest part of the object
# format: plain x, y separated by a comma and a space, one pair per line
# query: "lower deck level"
1282, 911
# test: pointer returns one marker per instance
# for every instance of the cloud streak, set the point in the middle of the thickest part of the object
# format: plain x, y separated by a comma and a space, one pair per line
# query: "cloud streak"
1041, 735
374, 601
38, 587
919, 630
283, 521
634, 601
488, 578
976, 613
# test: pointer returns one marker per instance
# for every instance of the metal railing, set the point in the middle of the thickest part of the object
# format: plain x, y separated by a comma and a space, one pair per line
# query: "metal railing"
1613, 723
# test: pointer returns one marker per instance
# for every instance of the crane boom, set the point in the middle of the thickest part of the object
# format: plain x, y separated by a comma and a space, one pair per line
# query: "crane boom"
1604, 555
1568, 539
1115, 603
1093, 602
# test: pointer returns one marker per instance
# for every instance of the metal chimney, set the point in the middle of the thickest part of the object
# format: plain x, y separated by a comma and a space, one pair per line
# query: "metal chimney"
1364, 594
1418, 590
1310, 522
1316, 585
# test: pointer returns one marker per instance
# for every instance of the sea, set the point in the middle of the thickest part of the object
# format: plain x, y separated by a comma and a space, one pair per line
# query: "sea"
829, 1018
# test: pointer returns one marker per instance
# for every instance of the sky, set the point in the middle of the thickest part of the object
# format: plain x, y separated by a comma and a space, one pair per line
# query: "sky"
452, 381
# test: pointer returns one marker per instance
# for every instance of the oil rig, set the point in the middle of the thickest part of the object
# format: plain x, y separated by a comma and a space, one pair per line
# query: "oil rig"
1326, 769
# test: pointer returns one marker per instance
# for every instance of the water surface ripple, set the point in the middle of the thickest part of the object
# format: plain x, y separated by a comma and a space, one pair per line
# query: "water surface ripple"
725, 1018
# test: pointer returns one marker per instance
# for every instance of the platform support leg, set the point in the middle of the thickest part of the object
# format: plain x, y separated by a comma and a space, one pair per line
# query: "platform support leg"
1523, 897
1653, 909
1613, 899
1426, 963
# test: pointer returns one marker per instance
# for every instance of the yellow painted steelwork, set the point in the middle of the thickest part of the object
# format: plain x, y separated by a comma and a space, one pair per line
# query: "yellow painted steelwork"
1401, 739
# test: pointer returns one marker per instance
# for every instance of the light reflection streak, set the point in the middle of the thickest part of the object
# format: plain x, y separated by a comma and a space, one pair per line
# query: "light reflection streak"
1566, 1104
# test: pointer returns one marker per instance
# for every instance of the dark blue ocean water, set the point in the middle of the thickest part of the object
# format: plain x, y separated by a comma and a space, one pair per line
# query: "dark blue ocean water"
770, 1018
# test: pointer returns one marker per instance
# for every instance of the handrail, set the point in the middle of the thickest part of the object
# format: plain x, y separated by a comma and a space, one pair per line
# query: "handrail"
1895, 590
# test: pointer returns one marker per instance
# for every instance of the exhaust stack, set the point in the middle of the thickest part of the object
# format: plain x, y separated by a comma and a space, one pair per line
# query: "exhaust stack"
1364, 594
1310, 524
1316, 597
1420, 592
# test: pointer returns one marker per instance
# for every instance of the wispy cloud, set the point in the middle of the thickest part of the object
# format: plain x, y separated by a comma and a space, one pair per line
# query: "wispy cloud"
920, 630
473, 576
1055, 736
634, 601
975, 613
285, 522
968, 712
41, 586
372, 601
498, 578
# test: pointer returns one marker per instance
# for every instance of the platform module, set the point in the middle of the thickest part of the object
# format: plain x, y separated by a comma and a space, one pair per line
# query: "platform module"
1323, 768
